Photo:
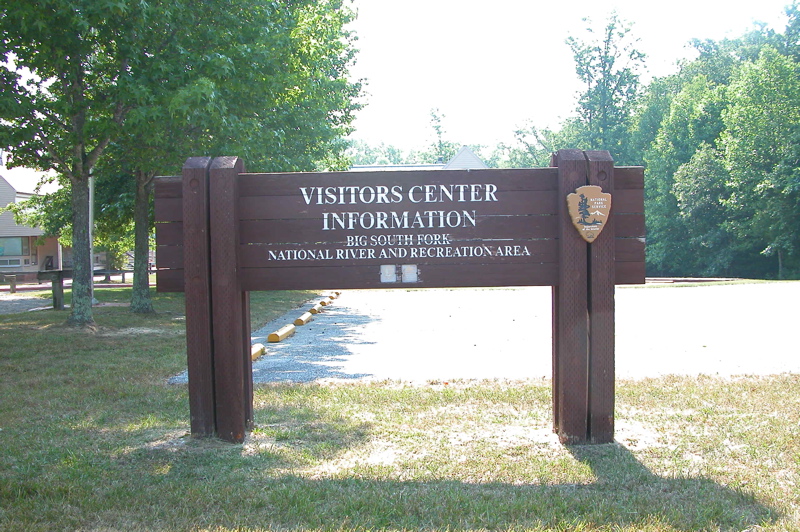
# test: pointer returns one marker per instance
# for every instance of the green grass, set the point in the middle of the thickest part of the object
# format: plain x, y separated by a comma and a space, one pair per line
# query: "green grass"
93, 438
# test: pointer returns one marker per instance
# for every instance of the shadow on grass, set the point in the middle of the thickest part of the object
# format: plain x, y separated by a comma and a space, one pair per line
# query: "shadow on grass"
623, 495
181, 483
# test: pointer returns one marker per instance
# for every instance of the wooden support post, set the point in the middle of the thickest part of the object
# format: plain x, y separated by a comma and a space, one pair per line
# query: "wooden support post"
601, 310
57, 285
231, 359
197, 282
583, 311
570, 315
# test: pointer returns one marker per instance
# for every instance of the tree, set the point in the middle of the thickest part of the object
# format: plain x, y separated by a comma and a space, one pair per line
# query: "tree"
608, 68
65, 100
283, 103
441, 150
150, 81
534, 146
700, 188
693, 119
761, 144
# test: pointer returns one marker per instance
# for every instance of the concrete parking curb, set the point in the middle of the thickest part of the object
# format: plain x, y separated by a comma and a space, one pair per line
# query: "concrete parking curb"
281, 334
289, 329
257, 350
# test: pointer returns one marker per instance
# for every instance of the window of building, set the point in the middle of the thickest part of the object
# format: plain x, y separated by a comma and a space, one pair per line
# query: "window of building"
14, 246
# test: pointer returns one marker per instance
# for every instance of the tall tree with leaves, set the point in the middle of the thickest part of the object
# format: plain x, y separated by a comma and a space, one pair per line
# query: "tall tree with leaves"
761, 144
65, 98
441, 150
608, 66
149, 80
283, 102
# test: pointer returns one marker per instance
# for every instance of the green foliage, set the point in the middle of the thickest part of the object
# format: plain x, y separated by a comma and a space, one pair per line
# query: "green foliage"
762, 151
720, 143
130, 89
608, 68
441, 150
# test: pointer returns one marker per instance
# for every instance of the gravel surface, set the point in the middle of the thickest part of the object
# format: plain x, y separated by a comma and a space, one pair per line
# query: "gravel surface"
19, 302
429, 335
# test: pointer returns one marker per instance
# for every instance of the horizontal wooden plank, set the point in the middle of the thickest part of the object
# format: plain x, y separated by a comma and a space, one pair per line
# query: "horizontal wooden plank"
509, 202
629, 226
628, 197
169, 256
168, 187
169, 210
169, 280
628, 177
629, 272
625, 177
169, 234
255, 279
628, 201
629, 250
289, 184
430, 276
310, 230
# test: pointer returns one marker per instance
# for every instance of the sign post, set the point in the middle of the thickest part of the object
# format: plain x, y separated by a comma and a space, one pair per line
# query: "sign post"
222, 233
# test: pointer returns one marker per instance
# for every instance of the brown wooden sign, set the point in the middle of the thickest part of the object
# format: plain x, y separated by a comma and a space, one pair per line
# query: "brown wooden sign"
222, 232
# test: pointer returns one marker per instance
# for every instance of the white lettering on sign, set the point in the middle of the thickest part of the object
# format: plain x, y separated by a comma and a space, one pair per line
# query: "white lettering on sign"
447, 208
439, 251
393, 220
476, 192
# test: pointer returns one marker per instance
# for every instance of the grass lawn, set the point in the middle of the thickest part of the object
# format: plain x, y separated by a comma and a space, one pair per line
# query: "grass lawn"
93, 438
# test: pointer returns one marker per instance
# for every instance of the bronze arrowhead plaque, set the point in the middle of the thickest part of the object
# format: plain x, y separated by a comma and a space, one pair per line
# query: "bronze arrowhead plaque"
589, 208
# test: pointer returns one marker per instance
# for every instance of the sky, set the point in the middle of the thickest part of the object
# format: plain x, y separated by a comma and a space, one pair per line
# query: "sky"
491, 67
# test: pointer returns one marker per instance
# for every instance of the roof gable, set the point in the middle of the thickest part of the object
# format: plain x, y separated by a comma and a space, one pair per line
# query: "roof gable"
465, 159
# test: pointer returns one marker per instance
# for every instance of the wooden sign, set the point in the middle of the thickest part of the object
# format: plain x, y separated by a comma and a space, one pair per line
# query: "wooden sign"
221, 233
589, 208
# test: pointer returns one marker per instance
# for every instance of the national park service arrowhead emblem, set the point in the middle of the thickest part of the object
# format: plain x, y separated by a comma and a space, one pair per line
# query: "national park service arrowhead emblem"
589, 208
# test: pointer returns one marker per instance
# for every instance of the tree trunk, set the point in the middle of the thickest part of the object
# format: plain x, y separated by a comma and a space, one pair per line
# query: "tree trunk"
141, 302
81, 314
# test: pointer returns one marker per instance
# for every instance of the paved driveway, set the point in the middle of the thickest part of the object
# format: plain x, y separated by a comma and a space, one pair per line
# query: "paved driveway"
424, 335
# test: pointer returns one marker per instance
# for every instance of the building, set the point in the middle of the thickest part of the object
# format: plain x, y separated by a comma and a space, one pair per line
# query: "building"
23, 249
465, 159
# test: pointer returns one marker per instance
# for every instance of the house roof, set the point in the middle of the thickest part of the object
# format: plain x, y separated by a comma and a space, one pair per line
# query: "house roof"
465, 159
394, 167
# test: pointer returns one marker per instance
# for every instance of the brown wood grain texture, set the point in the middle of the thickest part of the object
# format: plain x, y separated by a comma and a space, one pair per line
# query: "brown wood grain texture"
228, 307
509, 202
601, 310
308, 230
272, 197
259, 256
544, 274
197, 283
431, 276
571, 344
287, 184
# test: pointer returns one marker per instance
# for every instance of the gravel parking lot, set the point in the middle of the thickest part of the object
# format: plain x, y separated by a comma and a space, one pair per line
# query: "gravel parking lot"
438, 335
428, 335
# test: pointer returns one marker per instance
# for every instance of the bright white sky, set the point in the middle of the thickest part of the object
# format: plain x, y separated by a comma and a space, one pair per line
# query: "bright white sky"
491, 66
